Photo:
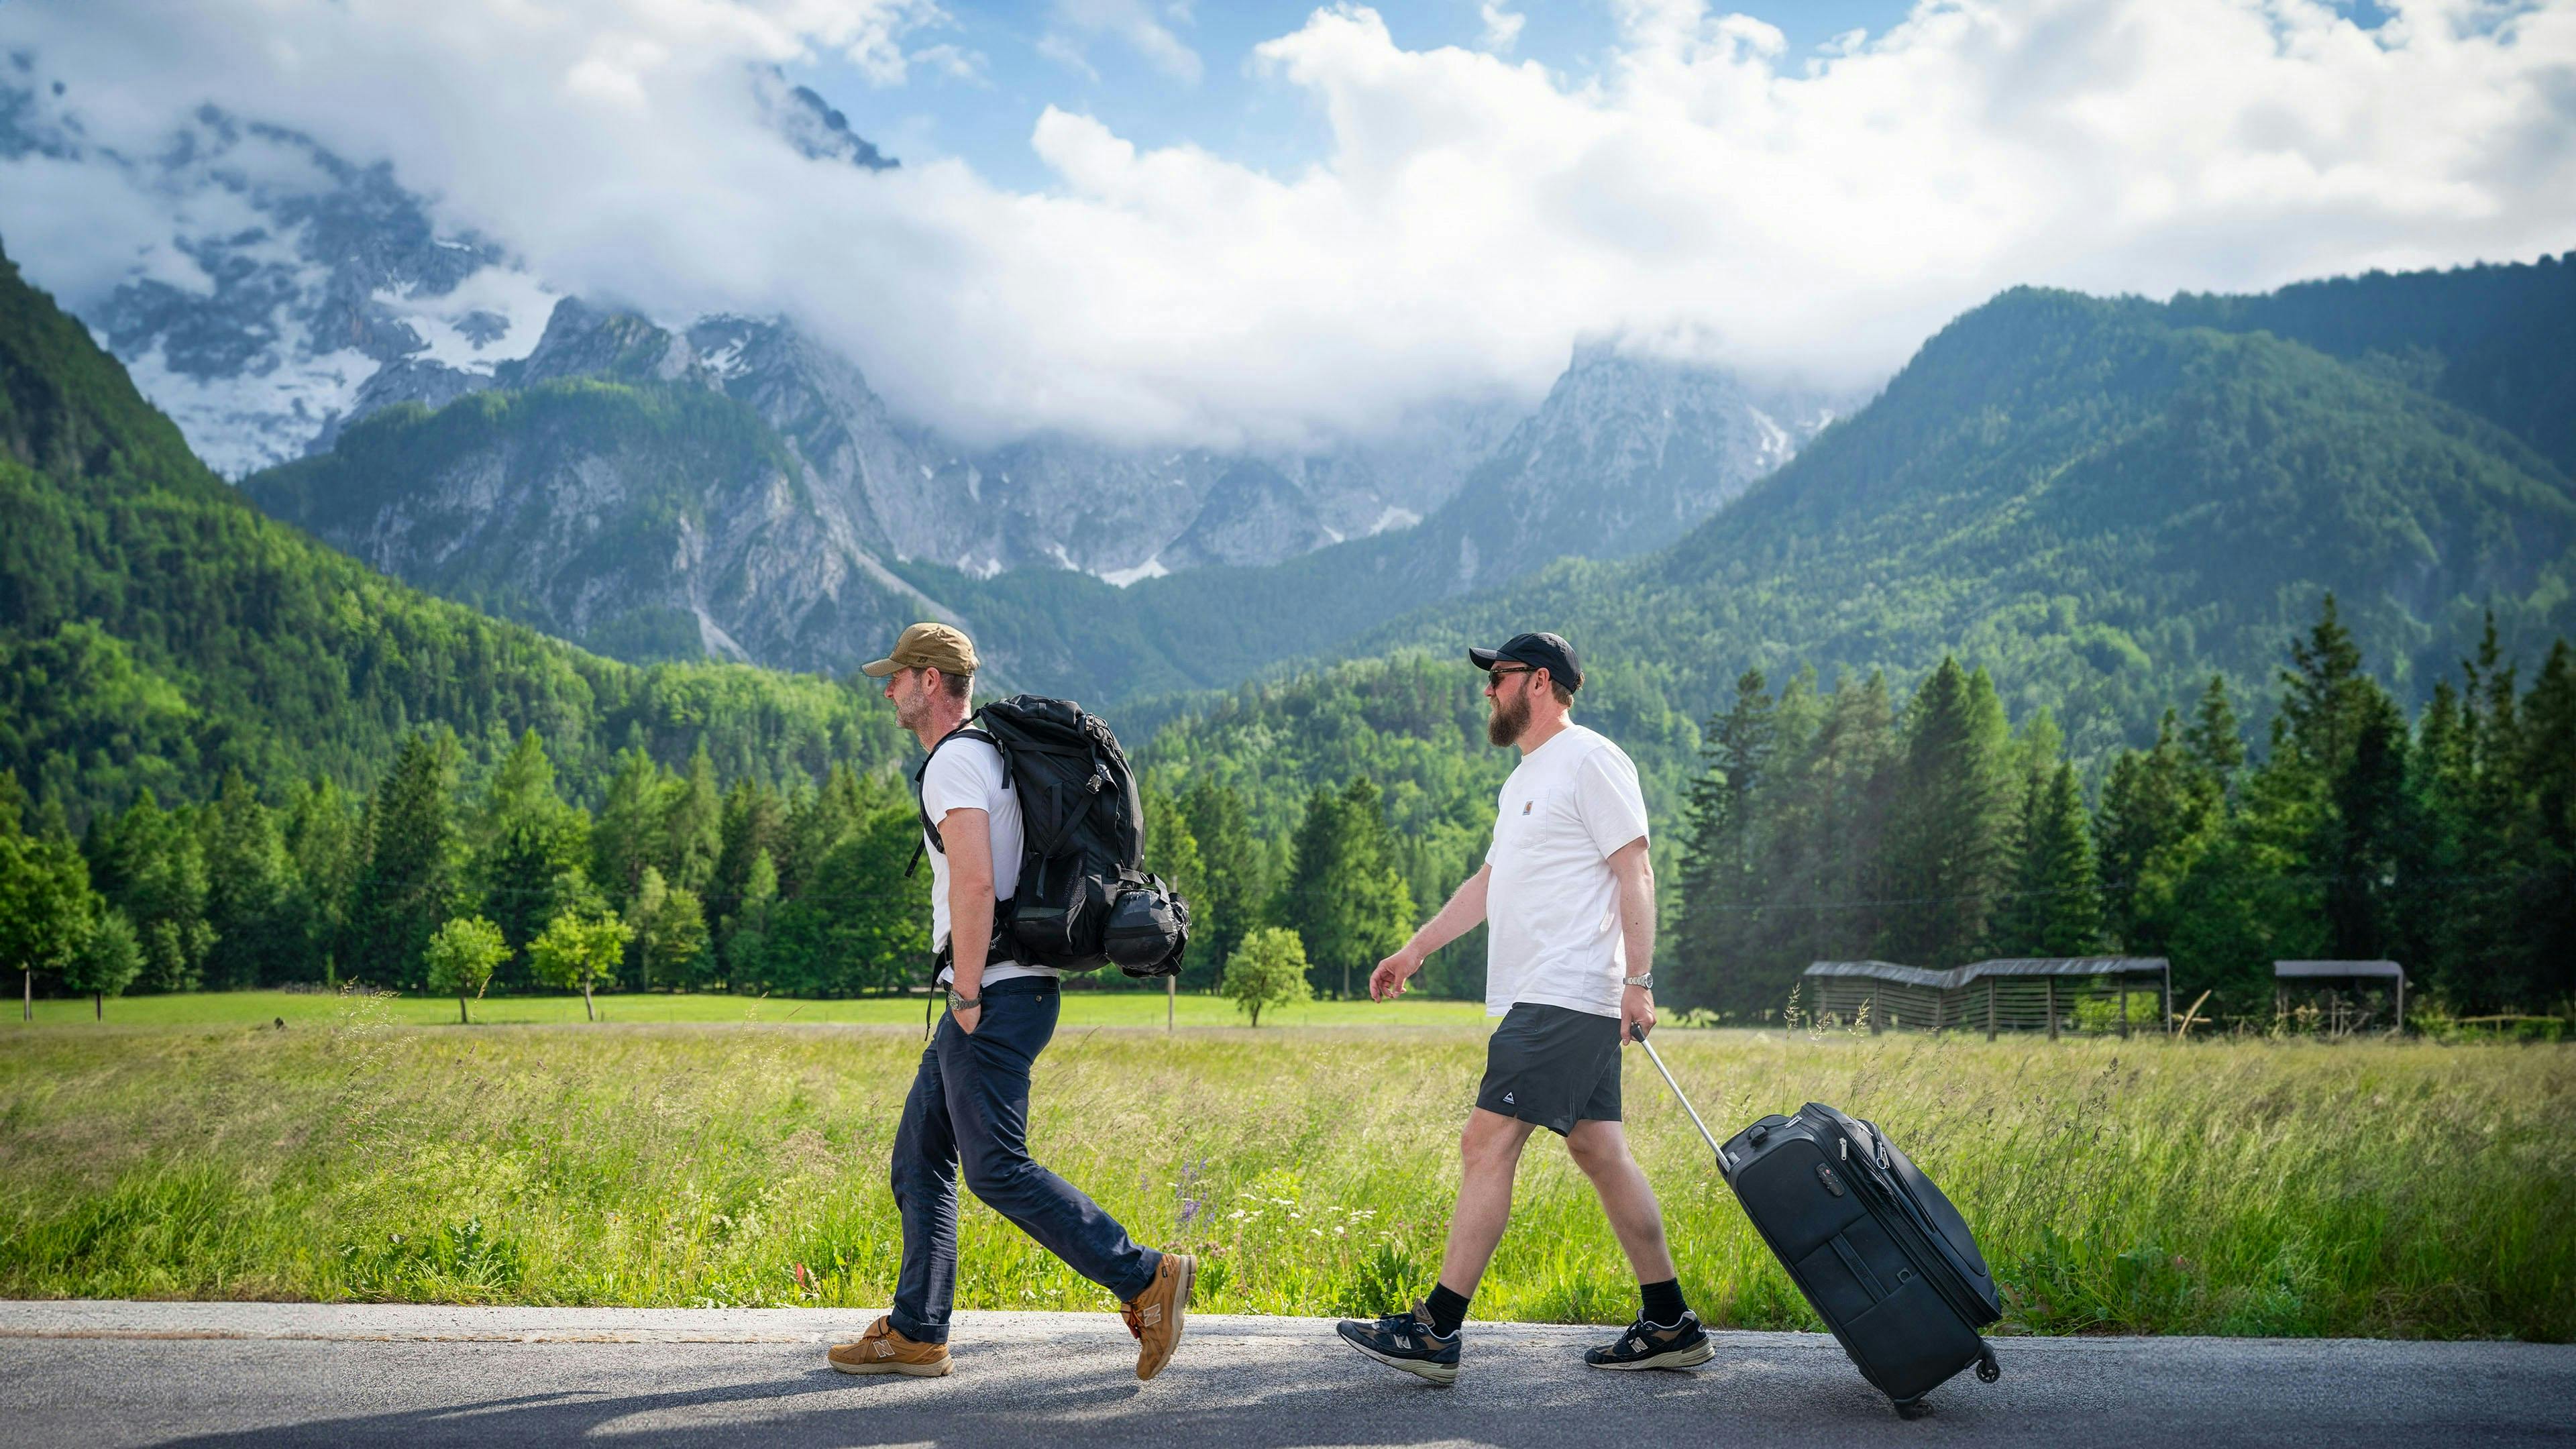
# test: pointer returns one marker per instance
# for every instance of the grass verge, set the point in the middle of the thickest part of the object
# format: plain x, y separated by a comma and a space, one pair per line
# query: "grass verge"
2224, 1187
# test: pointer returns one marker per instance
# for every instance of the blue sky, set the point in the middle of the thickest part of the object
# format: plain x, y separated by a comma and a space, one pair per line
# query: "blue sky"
1028, 56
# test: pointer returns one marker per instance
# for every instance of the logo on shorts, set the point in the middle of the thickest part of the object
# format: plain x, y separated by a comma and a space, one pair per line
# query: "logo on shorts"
1507, 1100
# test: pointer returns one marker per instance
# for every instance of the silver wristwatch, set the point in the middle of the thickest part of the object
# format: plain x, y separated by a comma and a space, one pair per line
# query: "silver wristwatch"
1647, 981
957, 1003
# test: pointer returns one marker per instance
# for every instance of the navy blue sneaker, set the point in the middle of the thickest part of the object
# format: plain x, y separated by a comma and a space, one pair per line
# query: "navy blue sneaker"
1405, 1340
1656, 1345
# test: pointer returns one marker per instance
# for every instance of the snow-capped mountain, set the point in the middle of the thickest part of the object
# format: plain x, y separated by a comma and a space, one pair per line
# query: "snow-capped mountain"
298, 295
295, 289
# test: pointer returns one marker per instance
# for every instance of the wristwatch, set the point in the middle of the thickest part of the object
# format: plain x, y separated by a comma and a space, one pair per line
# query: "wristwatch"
1647, 981
957, 1003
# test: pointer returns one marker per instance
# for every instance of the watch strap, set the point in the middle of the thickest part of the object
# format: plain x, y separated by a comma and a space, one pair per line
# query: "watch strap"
1647, 981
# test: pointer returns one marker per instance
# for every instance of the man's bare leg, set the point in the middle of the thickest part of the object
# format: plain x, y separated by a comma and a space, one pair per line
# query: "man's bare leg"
1667, 1334
1489, 1154
1601, 1150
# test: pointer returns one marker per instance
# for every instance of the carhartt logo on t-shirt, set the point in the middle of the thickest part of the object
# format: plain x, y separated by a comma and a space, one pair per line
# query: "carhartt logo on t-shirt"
1525, 806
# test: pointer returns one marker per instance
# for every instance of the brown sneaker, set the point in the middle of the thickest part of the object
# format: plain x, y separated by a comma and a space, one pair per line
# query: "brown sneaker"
1155, 1315
881, 1350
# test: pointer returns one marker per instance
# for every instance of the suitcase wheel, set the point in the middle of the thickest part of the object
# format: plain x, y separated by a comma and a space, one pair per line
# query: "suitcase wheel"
1987, 1369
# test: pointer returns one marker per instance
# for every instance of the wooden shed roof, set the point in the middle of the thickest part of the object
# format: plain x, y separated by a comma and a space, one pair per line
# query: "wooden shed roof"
2007, 966
2338, 968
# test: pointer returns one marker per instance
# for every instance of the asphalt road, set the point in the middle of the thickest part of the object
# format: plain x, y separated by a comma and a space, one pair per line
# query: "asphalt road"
315, 1374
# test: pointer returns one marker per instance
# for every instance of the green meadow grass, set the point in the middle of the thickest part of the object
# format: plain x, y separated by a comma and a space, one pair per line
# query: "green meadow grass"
1082, 1007
2236, 1187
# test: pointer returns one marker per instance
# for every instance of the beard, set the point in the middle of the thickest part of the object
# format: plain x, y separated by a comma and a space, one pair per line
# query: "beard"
1508, 721
912, 711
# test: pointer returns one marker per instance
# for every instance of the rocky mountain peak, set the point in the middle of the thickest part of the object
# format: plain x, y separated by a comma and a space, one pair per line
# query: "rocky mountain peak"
582, 340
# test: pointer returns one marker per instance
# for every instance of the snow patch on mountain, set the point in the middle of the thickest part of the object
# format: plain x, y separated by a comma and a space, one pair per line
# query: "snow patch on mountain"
1151, 568
234, 422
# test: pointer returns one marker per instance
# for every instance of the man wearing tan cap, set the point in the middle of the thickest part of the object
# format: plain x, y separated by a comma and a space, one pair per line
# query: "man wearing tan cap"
970, 1098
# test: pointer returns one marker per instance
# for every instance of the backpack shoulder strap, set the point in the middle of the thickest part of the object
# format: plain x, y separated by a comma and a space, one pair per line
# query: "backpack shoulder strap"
929, 827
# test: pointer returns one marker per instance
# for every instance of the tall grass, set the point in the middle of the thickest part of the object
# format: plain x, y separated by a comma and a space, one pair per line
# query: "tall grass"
2223, 1187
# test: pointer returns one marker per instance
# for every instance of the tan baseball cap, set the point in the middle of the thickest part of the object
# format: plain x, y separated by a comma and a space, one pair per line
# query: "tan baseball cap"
927, 646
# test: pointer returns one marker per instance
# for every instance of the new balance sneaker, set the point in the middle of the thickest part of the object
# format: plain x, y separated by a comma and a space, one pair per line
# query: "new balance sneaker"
882, 1350
1405, 1341
1654, 1346
1155, 1315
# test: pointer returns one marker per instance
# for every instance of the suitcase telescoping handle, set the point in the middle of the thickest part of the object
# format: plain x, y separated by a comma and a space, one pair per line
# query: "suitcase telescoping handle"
1684, 1097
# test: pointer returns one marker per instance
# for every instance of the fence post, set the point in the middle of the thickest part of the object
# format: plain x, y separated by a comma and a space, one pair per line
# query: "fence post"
2052, 1007
1990, 1008
1171, 1003
2123, 983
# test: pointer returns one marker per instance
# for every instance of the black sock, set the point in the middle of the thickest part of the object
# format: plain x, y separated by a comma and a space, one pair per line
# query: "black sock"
1447, 1309
1664, 1305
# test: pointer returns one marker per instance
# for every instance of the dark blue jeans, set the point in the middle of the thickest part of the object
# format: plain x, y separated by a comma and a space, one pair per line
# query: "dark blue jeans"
970, 1106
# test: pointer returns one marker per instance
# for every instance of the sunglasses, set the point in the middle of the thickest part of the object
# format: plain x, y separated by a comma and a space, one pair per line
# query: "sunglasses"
1494, 677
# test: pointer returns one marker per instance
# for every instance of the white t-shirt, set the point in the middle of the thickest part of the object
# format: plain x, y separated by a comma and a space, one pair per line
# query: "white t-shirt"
1552, 906
967, 775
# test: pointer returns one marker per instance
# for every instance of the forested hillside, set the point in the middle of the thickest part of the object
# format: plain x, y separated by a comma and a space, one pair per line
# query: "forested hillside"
157, 631
2102, 505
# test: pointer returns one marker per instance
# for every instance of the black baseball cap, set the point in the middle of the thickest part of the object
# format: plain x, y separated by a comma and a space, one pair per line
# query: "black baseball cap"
1539, 651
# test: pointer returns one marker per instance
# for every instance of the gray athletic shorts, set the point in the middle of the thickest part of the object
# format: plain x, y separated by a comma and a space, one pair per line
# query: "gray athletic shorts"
1552, 1066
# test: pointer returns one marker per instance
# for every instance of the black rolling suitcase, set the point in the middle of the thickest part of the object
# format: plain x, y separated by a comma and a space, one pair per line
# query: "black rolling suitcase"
1883, 1257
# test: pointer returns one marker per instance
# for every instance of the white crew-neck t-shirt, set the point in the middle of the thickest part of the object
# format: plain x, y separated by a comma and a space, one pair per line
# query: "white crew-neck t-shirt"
1552, 906
967, 775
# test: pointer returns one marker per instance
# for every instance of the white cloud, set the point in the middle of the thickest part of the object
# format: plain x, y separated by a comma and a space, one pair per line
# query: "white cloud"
1129, 20
1502, 27
1707, 191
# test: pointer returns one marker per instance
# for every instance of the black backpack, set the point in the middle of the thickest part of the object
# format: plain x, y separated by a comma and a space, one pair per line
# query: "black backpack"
1084, 900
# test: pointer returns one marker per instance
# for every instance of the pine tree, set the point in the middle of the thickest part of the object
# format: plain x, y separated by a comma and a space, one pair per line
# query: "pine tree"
2159, 810
1949, 839
2056, 908
2545, 924
325, 840
1232, 864
2214, 740
1721, 888
1344, 897
755, 822
532, 853
250, 892
1172, 852
742, 939
693, 825
628, 836
410, 882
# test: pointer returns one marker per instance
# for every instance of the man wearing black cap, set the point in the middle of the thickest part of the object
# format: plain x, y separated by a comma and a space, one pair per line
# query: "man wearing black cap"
1569, 901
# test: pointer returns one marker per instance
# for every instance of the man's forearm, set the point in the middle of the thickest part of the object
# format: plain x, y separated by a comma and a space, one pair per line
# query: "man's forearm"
1637, 921
970, 938
1466, 907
